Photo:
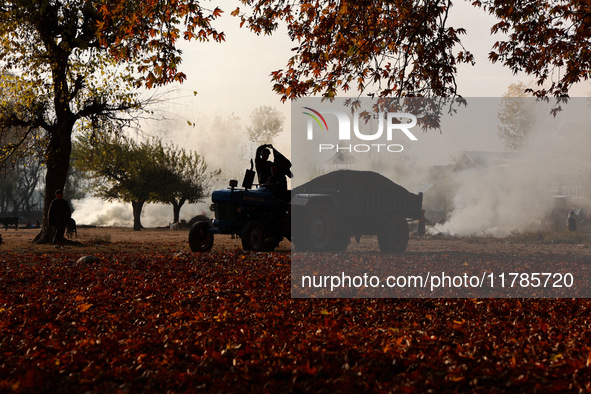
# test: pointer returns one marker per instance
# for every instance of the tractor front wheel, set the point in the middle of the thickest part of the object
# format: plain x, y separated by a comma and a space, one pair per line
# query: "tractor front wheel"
200, 238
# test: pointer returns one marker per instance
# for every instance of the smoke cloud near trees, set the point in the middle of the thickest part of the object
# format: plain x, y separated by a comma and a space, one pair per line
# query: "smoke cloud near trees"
531, 189
472, 184
222, 141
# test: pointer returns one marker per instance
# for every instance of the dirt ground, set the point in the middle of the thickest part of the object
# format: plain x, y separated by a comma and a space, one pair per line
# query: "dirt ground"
105, 240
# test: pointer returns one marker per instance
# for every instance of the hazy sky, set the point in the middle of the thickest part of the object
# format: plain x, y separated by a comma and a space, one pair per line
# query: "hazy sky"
235, 76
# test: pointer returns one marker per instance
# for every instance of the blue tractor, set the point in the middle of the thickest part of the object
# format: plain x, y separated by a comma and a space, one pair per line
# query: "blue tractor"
258, 216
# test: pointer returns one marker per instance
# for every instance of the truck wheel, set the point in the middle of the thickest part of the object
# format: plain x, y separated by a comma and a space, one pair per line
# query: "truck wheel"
200, 238
320, 228
253, 237
394, 236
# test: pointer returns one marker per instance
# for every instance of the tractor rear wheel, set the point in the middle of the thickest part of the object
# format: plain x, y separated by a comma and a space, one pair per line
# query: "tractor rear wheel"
394, 235
200, 238
253, 237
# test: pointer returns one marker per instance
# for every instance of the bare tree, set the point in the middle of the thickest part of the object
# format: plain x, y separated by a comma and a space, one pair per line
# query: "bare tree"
516, 116
266, 124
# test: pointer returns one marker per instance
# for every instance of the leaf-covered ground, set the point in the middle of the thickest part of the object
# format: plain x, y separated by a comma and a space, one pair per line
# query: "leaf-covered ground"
225, 321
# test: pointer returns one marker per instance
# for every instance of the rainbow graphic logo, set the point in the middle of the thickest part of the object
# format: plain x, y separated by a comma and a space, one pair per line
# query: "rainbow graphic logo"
317, 117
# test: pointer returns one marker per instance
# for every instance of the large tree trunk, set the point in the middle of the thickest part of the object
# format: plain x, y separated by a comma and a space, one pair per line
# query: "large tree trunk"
60, 143
137, 213
58, 163
176, 209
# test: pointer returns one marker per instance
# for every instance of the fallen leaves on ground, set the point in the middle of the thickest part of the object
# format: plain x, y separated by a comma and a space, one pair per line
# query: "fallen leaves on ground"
225, 321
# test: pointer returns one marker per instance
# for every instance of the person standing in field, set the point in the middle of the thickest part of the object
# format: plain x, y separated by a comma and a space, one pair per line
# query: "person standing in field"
262, 163
571, 221
59, 216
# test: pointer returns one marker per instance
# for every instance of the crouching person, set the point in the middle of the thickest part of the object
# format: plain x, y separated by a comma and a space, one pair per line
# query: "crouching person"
59, 217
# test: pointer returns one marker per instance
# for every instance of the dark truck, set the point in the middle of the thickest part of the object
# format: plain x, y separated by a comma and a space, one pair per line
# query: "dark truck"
328, 210
320, 215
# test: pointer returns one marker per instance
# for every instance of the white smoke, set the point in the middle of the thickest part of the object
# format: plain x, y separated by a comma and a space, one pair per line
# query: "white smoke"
500, 197
96, 212
498, 200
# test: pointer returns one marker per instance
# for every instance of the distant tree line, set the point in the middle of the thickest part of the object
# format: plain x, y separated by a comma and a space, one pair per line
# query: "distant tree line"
20, 191
21, 176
